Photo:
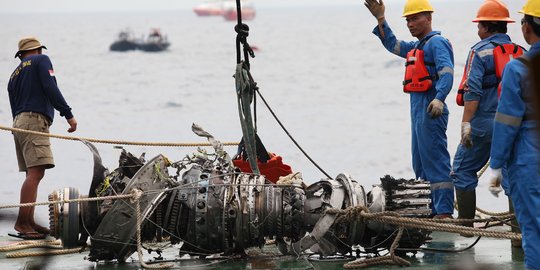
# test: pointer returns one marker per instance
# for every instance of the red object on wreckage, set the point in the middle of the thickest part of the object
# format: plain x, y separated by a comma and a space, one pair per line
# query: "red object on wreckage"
272, 169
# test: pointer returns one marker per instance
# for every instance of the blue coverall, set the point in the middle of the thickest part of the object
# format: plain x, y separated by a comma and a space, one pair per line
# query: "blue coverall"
430, 158
516, 143
482, 87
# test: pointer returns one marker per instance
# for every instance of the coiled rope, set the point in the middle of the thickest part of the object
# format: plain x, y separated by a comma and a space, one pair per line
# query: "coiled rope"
44, 252
391, 258
31, 244
135, 195
119, 142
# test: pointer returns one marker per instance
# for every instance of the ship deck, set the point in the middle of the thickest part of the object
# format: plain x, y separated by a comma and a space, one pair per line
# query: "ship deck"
488, 252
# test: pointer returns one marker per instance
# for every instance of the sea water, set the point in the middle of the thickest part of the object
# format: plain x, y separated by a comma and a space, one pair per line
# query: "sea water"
329, 80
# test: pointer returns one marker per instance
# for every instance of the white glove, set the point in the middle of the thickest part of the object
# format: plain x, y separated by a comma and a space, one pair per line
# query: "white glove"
466, 139
495, 178
435, 108
376, 7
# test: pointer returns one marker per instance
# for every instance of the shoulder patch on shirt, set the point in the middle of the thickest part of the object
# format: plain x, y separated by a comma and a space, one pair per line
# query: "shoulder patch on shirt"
51, 72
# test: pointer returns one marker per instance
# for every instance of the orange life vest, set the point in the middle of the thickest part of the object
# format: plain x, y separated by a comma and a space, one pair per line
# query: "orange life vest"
461, 88
417, 78
502, 54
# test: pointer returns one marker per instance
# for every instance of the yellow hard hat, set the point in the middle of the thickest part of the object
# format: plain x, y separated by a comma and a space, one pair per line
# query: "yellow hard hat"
532, 8
493, 10
416, 6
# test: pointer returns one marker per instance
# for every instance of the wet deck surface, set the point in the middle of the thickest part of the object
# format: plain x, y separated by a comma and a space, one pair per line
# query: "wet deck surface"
494, 253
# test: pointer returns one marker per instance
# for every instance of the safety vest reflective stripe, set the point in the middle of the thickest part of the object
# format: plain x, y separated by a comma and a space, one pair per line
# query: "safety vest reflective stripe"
446, 70
397, 48
421, 80
442, 185
508, 120
485, 53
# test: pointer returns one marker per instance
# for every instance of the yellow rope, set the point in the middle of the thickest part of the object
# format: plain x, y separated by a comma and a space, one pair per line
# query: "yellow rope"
506, 214
136, 196
68, 201
21, 254
481, 171
31, 244
393, 218
168, 144
494, 214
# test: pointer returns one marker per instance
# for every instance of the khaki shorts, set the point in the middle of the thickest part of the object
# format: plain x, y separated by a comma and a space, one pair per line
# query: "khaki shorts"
32, 150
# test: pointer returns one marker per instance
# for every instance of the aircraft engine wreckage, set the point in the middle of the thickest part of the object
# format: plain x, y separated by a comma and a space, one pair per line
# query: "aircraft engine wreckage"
212, 208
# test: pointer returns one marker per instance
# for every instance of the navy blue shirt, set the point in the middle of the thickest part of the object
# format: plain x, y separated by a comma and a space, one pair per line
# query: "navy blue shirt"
32, 88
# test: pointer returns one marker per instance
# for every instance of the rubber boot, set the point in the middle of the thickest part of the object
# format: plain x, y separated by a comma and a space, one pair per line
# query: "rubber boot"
515, 225
466, 202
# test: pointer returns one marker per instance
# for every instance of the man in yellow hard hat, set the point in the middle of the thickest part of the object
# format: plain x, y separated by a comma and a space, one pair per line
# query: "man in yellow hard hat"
515, 138
428, 79
479, 96
33, 96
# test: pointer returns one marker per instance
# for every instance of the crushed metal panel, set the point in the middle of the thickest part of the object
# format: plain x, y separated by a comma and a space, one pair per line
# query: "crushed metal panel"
115, 236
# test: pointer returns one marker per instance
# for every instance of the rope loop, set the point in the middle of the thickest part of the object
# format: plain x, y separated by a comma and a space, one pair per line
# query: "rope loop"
136, 195
242, 30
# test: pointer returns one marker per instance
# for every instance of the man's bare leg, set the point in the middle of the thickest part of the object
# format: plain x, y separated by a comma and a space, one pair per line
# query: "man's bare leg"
25, 221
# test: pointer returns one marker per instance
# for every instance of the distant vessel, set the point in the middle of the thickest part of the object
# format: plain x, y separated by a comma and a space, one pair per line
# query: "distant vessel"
230, 13
226, 8
155, 42
125, 42
213, 8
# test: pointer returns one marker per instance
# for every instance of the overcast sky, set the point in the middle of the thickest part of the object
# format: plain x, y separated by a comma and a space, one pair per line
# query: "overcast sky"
41, 6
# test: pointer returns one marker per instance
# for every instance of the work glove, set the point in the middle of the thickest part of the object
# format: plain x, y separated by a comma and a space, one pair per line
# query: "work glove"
376, 7
435, 108
495, 178
466, 137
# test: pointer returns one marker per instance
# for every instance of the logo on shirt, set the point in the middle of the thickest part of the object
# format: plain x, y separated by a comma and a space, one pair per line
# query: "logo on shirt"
51, 72
19, 68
